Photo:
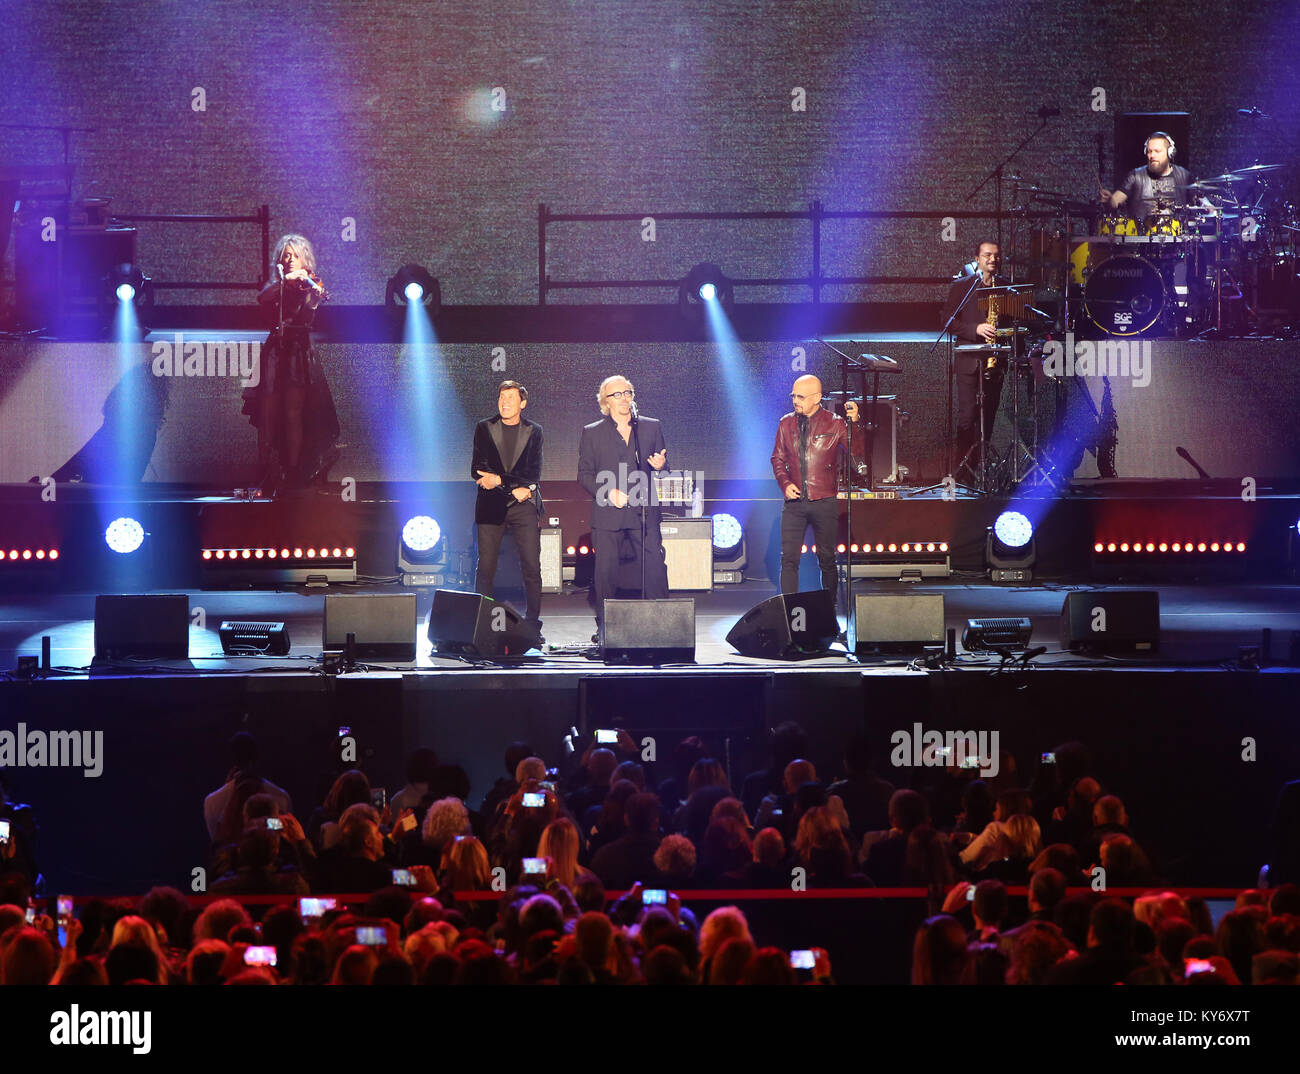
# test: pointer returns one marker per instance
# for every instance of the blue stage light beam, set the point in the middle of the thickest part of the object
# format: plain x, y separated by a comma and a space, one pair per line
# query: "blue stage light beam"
751, 439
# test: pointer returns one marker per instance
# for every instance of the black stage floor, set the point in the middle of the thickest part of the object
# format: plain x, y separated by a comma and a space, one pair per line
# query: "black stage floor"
1201, 624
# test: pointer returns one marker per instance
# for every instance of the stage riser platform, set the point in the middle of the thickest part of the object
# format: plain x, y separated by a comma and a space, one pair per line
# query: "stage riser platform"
407, 416
1066, 532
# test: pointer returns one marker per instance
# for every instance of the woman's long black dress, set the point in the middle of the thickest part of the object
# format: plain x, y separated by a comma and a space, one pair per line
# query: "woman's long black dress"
290, 370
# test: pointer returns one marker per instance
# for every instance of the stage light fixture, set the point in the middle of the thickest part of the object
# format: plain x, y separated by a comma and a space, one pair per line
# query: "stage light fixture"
124, 535
127, 283
422, 558
727, 532
704, 285
1013, 529
413, 285
730, 554
903, 561
1009, 549
421, 533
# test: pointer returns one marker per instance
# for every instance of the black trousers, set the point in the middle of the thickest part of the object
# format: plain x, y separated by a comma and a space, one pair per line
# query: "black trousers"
969, 371
796, 517
521, 523
616, 547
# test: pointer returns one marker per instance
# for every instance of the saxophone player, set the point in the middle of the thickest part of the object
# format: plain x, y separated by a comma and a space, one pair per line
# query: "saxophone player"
973, 326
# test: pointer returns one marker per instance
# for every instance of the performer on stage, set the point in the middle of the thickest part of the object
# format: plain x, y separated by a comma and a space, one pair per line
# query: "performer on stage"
291, 407
1161, 184
810, 444
616, 457
506, 465
972, 326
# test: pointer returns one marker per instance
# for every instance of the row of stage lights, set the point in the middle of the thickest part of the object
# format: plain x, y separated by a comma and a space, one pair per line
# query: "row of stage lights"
1175, 546
413, 285
284, 553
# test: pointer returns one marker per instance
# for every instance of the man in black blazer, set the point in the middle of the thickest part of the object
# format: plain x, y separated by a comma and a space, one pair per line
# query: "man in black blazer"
616, 457
506, 466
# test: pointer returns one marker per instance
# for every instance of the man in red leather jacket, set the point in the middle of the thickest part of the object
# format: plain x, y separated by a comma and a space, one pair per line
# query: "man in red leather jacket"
810, 442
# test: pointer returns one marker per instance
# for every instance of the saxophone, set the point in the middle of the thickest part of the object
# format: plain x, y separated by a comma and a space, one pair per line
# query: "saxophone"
993, 315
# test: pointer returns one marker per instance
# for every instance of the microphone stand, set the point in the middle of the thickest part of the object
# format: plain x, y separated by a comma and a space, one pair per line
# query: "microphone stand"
946, 333
636, 450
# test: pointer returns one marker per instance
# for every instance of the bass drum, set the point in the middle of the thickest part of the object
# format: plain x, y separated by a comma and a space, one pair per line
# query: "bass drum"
1124, 296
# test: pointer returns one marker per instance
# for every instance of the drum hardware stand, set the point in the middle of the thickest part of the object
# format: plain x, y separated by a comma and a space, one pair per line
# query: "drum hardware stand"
1031, 455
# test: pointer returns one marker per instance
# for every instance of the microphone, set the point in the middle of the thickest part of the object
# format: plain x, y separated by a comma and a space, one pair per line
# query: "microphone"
1254, 113
280, 269
1183, 454
1045, 112
634, 414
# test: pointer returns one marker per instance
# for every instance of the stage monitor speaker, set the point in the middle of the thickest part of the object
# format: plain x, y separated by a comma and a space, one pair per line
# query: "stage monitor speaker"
688, 551
383, 624
1111, 621
788, 626
134, 627
470, 624
649, 632
898, 624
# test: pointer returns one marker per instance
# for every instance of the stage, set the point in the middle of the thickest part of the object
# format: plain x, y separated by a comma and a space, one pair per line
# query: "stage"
1179, 718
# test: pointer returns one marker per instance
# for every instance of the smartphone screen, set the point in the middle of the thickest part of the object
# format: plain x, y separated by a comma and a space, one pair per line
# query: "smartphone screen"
802, 960
65, 908
1049, 758
259, 956
274, 824
372, 935
4, 831
654, 896
534, 801
378, 797
403, 878
310, 908
534, 866
606, 736
970, 893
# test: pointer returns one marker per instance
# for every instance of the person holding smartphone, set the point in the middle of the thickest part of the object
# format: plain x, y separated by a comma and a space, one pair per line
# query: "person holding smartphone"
17, 835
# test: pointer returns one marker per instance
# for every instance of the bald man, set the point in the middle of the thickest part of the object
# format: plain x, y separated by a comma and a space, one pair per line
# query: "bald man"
810, 442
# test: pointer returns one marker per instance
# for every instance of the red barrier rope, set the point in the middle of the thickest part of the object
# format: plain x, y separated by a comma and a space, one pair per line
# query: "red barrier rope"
694, 895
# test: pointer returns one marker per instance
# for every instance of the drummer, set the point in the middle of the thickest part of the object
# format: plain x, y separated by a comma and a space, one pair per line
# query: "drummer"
1161, 185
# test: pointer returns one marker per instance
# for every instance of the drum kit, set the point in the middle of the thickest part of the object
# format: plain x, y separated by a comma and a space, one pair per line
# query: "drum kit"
1230, 263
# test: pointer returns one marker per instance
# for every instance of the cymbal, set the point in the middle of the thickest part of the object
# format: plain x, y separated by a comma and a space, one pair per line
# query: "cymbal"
879, 363
1255, 169
1226, 177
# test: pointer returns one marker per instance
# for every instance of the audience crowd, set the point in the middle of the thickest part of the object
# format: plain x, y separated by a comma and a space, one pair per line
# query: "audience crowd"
545, 847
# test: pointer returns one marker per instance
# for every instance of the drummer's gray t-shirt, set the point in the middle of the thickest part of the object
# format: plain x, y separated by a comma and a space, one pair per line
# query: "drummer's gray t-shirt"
1145, 192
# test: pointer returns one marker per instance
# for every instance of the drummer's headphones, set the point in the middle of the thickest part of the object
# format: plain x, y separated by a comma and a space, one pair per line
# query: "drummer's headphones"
1160, 134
